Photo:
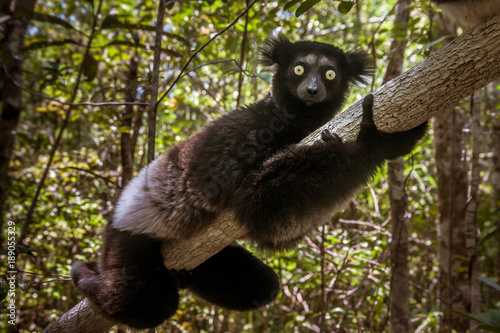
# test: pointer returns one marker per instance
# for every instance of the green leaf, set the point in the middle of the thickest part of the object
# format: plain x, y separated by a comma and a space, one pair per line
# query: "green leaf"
429, 45
491, 318
305, 6
265, 76
489, 282
290, 4
124, 129
111, 21
345, 7
489, 328
52, 65
337, 310
90, 68
23, 284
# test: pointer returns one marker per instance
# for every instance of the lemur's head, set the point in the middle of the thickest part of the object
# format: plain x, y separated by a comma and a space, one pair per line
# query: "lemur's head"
312, 73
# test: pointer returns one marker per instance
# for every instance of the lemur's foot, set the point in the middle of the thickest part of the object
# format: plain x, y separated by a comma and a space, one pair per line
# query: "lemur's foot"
328, 136
184, 277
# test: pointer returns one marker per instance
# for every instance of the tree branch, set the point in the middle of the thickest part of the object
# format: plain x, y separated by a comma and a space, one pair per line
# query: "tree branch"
447, 76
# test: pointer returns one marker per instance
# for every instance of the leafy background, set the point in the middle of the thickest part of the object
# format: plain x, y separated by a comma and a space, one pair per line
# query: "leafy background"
338, 278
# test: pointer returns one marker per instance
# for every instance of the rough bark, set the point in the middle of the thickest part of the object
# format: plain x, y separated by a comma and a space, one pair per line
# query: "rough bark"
82, 318
14, 29
452, 199
446, 77
400, 293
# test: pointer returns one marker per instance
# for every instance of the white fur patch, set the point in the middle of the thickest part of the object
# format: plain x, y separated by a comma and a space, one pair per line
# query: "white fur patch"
471, 12
136, 212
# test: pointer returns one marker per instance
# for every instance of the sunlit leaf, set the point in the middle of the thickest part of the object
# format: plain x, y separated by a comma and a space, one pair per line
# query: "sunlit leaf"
345, 6
124, 129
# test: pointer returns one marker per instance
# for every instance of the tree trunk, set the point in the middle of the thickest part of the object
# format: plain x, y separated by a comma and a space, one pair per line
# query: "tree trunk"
471, 227
493, 101
457, 228
496, 158
400, 293
11, 75
446, 77
127, 146
452, 199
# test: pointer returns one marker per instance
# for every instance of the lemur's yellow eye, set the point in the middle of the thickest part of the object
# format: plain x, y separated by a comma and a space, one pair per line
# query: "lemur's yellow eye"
330, 74
299, 70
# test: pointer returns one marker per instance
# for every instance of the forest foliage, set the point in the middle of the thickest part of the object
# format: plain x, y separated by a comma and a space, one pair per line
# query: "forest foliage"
340, 276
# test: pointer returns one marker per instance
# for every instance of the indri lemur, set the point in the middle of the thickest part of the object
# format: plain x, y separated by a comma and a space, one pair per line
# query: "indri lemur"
247, 162
469, 12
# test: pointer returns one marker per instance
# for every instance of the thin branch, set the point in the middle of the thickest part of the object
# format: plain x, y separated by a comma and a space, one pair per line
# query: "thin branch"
36, 93
245, 72
242, 57
106, 179
371, 43
107, 103
43, 274
31, 210
49, 281
230, 25
153, 105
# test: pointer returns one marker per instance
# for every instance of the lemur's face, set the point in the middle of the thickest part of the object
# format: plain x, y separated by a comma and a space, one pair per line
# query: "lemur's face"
309, 75
313, 78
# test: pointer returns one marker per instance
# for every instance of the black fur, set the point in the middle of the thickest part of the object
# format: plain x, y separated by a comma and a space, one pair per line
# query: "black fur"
236, 279
247, 162
134, 288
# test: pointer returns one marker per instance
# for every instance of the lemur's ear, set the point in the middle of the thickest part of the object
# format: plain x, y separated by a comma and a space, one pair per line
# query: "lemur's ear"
359, 66
277, 50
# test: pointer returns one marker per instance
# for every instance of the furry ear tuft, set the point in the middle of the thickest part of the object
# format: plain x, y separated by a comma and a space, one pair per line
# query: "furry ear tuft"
360, 66
276, 51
